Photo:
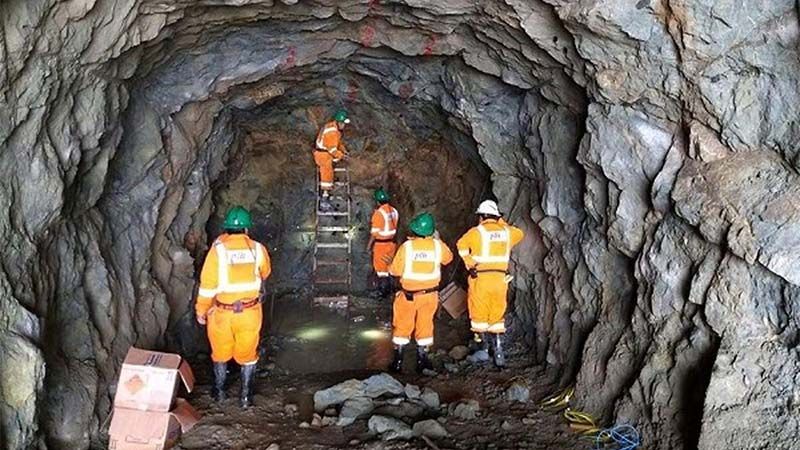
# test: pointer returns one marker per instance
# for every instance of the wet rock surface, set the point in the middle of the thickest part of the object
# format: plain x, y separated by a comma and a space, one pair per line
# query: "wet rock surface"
647, 148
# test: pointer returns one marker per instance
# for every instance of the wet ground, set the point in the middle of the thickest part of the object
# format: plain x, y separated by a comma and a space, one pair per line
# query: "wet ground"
313, 348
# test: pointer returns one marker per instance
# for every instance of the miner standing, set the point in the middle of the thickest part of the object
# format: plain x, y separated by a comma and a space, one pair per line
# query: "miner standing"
418, 264
382, 240
228, 300
486, 251
329, 149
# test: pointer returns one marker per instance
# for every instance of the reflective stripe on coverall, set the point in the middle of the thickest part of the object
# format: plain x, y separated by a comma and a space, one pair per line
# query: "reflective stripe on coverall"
418, 264
487, 248
232, 272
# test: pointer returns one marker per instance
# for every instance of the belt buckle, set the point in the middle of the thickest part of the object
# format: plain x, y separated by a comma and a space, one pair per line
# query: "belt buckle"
237, 307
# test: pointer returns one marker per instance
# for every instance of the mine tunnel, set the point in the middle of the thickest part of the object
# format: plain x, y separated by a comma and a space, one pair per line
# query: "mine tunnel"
647, 150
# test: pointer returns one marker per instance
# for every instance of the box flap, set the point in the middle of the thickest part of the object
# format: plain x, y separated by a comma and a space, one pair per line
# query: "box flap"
139, 357
186, 375
186, 416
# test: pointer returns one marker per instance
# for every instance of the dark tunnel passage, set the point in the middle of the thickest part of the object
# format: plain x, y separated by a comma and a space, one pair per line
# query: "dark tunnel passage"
405, 146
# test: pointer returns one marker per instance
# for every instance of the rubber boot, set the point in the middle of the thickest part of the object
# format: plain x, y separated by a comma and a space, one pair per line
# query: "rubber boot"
325, 203
220, 374
480, 345
377, 292
423, 362
385, 287
481, 342
397, 361
248, 373
499, 354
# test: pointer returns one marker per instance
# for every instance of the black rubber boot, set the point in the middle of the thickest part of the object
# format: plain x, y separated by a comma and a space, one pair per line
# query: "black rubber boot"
397, 362
385, 287
220, 374
499, 354
248, 373
423, 362
480, 341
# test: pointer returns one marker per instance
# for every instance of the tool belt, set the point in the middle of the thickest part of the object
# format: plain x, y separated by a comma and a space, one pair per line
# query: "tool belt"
473, 273
385, 240
237, 306
410, 294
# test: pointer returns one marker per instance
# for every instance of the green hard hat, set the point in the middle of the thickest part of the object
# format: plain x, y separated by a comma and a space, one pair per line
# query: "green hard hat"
381, 196
237, 218
341, 116
422, 225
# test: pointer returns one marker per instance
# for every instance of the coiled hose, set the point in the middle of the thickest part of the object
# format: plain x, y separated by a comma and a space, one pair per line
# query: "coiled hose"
620, 437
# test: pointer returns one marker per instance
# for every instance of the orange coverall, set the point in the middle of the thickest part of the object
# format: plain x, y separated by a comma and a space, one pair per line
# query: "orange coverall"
384, 228
418, 264
329, 149
487, 248
230, 283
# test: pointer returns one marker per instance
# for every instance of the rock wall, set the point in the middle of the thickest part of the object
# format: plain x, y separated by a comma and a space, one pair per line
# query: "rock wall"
648, 148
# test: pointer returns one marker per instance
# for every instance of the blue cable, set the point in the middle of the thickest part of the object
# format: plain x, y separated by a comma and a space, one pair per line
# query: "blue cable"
624, 436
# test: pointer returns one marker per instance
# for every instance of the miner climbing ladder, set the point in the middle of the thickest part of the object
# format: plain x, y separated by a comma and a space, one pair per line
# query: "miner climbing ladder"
333, 244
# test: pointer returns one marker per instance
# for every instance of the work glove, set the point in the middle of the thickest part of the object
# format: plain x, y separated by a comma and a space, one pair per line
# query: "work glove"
473, 272
201, 319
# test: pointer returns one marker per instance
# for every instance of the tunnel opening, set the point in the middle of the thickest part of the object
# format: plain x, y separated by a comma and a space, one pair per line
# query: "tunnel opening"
401, 145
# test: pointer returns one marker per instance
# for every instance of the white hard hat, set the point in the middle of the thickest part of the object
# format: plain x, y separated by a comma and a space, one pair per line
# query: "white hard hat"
489, 208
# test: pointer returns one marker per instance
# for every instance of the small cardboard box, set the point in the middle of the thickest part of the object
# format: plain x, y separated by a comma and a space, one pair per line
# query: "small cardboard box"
148, 380
150, 430
454, 300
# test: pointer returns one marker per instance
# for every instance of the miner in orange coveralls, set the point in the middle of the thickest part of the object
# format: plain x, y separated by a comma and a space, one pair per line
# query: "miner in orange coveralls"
228, 301
382, 232
486, 251
418, 265
329, 149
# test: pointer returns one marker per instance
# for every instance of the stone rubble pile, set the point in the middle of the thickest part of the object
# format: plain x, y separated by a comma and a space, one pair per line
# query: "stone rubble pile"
392, 410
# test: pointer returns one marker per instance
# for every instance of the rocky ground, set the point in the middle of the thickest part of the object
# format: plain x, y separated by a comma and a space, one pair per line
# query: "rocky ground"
465, 410
323, 385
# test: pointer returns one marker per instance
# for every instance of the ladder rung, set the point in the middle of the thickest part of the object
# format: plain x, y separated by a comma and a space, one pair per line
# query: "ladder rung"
340, 183
332, 213
331, 281
331, 245
337, 302
340, 169
332, 229
333, 262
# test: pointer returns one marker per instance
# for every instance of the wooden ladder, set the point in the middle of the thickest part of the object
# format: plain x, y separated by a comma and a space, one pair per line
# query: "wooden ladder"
333, 244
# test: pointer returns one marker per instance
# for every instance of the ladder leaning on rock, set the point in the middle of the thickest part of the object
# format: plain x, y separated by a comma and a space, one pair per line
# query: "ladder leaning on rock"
332, 274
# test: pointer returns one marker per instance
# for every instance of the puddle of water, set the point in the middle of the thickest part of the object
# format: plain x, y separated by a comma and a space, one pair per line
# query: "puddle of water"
305, 339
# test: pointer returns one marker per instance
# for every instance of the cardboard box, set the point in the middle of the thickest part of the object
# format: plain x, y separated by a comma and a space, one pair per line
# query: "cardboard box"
133, 429
148, 380
453, 300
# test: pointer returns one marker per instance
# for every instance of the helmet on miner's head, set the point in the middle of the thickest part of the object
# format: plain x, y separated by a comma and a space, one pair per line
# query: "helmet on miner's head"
237, 219
341, 116
488, 208
423, 225
381, 196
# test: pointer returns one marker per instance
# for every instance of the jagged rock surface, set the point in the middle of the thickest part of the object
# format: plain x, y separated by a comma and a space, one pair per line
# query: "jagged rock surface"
648, 148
